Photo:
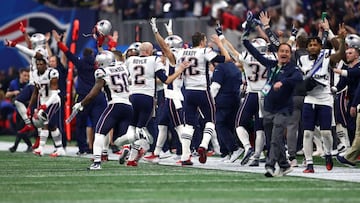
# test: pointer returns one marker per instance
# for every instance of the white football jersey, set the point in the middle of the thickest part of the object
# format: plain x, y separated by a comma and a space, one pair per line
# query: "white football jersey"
255, 72
173, 90
31, 53
321, 94
116, 86
197, 75
43, 81
142, 73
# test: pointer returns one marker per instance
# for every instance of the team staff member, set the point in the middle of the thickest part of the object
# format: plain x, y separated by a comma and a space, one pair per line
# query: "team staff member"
278, 104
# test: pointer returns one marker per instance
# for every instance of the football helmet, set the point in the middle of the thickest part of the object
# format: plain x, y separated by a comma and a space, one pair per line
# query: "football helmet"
133, 49
104, 58
260, 44
103, 27
43, 52
353, 40
40, 118
37, 40
174, 41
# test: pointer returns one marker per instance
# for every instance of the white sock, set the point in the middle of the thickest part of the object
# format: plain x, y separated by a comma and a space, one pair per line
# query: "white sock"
57, 137
128, 138
162, 135
215, 143
308, 146
98, 145
106, 143
186, 138
342, 134
21, 108
180, 129
243, 136
134, 151
318, 140
208, 133
327, 140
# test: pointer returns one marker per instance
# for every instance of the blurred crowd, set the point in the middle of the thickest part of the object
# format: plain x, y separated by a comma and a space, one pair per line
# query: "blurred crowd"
231, 13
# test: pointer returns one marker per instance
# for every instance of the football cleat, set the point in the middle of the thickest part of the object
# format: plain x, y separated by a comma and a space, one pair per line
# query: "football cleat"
95, 166
344, 161
164, 155
285, 171
202, 155
293, 163
236, 154
225, 159
329, 162
131, 163
29, 149
152, 158
58, 152
270, 172
247, 156
12, 149
187, 163
309, 169
38, 152
104, 157
27, 128
123, 156
115, 149
254, 162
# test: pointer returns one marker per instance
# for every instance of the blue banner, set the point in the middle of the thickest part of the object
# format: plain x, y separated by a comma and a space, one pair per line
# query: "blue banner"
38, 18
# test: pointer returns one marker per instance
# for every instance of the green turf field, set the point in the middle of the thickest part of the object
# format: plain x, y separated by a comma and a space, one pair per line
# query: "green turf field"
27, 178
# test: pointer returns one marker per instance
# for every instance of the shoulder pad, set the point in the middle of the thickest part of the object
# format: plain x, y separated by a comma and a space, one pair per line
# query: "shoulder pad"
99, 73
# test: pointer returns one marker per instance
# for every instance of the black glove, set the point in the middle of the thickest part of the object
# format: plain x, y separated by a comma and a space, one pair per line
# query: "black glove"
294, 31
218, 29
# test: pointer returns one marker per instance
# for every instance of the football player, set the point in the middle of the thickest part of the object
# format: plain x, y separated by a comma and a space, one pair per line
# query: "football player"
46, 117
318, 102
252, 106
144, 69
196, 93
171, 113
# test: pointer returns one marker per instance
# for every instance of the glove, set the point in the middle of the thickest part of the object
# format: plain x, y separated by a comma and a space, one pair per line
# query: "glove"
42, 106
169, 27
294, 31
153, 25
77, 107
22, 28
9, 43
219, 30
249, 17
247, 25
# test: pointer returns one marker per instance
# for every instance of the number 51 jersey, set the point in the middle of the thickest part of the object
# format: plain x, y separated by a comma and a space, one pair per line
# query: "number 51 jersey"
116, 86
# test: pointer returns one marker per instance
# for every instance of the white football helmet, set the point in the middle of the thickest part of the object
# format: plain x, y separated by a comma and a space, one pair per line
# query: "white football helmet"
260, 44
104, 59
174, 41
40, 118
353, 40
103, 27
133, 49
37, 40
43, 52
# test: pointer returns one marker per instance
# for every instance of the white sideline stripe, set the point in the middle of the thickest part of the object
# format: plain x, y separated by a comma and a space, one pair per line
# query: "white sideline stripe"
337, 173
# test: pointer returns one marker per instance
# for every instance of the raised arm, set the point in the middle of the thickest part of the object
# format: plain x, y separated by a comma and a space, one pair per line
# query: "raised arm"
340, 53
160, 40
232, 51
